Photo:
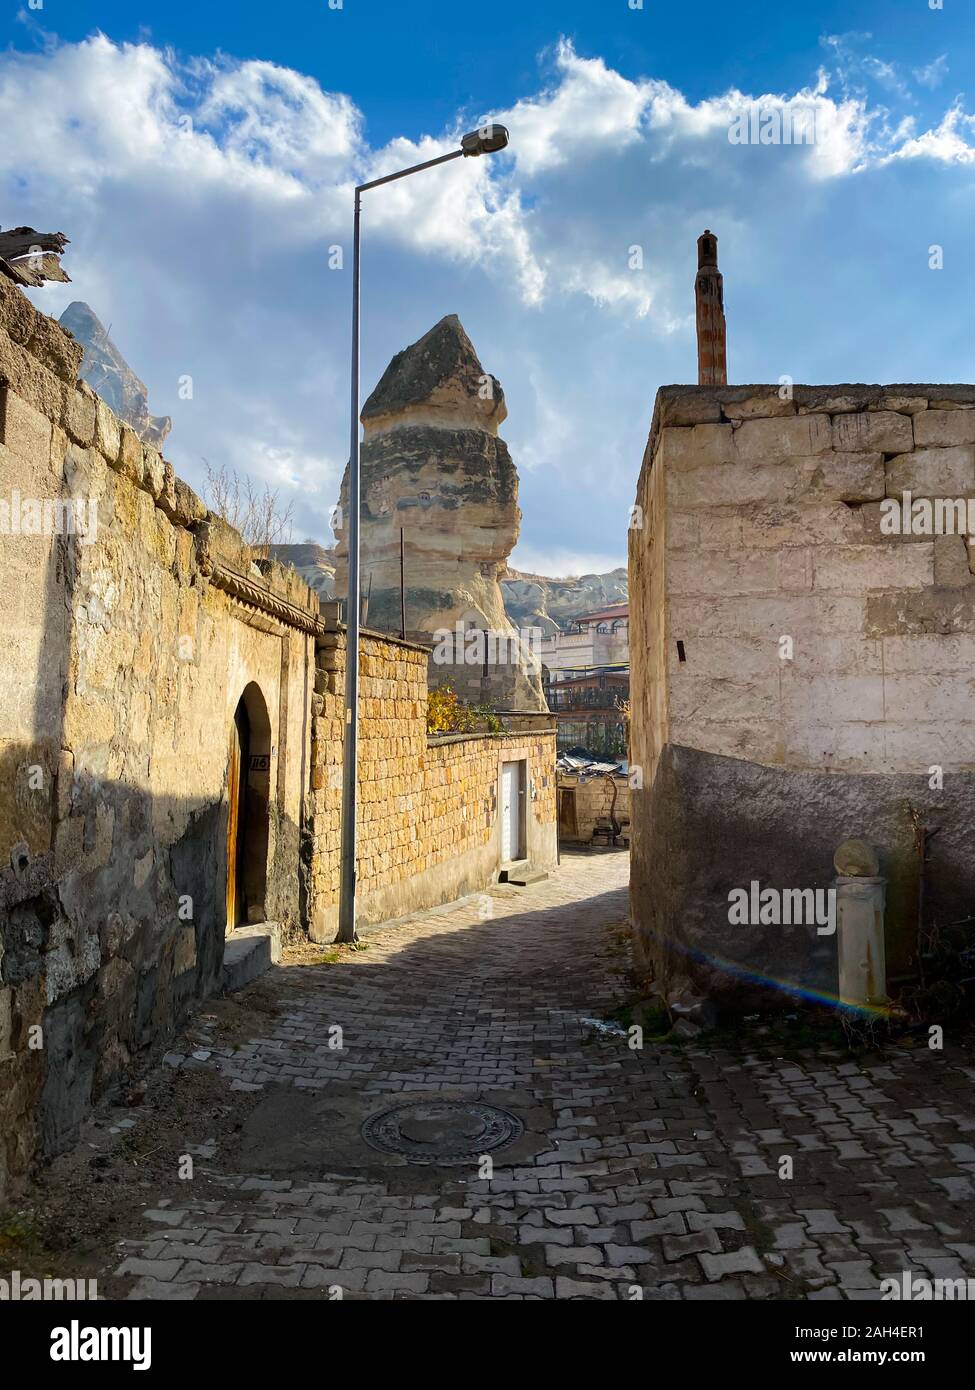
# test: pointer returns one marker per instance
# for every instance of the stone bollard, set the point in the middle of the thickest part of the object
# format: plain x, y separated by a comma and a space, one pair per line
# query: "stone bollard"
860, 892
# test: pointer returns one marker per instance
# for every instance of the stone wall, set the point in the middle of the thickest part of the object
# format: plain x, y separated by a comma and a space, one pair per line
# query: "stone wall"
429, 825
592, 800
796, 673
128, 648
139, 625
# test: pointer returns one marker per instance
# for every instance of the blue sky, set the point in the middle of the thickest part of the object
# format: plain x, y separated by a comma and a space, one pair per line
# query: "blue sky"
201, 159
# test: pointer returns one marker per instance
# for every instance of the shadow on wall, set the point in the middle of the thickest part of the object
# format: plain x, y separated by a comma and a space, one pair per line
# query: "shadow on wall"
711, 824
113, 898
106, 955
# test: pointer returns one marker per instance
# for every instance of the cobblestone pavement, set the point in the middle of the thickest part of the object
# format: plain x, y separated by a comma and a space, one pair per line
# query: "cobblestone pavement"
655, 1173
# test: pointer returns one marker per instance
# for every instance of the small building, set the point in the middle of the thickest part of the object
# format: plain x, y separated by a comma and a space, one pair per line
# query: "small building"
596, 639
594, 799
590, 709
804, 631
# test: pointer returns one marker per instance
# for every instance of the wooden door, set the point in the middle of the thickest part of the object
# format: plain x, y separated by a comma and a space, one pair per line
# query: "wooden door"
236, 806
567, 811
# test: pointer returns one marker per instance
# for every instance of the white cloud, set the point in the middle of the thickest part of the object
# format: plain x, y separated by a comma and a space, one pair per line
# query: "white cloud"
563, 562
589, 108
952, 142
201, 198
273, 117
933, 73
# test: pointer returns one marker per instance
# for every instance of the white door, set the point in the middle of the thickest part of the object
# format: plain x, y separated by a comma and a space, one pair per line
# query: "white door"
510, 812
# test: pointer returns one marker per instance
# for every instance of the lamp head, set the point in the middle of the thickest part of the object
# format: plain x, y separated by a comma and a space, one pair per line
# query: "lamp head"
487, 139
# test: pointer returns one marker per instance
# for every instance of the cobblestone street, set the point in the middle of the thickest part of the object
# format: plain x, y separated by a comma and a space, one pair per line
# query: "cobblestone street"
650, 1173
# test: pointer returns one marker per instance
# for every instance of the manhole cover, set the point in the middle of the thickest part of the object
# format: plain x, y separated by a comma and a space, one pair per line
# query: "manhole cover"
442, 1131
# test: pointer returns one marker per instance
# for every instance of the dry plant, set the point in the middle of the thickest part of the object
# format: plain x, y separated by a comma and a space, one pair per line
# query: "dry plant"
260, 516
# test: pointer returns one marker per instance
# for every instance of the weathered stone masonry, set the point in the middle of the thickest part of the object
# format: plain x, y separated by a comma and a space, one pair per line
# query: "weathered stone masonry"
129, 648
127, 651
760, 520
428, 817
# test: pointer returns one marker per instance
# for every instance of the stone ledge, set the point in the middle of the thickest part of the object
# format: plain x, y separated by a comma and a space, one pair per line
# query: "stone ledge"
439, 740
683, 406
262, 597
248, 952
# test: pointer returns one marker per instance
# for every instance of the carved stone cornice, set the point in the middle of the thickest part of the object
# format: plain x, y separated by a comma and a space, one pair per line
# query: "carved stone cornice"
255, 595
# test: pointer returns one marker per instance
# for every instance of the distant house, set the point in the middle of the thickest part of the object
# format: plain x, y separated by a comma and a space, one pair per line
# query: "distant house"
601, 638
586, 671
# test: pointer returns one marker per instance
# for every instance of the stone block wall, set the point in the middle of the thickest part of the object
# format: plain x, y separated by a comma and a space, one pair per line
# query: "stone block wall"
134, 634
798, 676
592, 801
429, 823
126, 655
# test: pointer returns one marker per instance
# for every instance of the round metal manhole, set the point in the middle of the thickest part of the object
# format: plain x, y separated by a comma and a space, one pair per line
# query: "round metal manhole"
442, 1131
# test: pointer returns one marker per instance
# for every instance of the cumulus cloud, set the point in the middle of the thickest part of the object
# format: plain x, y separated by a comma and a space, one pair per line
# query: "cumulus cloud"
952, 142
208, 203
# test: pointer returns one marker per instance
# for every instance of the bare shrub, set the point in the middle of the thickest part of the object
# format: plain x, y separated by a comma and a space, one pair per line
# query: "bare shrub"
258, 514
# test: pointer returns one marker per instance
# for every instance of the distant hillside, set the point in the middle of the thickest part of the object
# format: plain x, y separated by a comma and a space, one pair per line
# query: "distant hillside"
534, 600
530, 600
315, 564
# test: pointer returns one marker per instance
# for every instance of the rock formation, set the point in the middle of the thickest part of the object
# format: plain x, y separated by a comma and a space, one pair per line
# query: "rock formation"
107, 373
530, 600
314, 563
433, 465
534, 600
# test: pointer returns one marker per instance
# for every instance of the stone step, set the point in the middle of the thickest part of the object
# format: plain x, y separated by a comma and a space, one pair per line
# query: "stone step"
522, 877
248, 952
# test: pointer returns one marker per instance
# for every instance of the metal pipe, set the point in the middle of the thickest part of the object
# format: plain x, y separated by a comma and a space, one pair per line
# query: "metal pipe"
402, 585
486, 140
413, 169
350, 755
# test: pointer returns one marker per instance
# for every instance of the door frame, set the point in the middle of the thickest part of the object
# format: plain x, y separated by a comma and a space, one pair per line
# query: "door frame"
520, 819
235, 812
249, 784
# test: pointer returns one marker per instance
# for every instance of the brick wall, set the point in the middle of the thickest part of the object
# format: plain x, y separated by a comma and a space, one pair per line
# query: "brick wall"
429, 825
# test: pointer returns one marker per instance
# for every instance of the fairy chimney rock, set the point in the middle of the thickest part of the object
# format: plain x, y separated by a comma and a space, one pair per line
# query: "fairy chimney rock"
432, 463
436, 381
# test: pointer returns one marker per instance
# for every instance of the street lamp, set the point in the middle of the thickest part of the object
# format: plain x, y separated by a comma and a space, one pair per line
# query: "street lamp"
485, 140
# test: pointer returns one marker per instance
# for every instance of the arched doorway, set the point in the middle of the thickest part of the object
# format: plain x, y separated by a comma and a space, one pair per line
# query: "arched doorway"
248, 793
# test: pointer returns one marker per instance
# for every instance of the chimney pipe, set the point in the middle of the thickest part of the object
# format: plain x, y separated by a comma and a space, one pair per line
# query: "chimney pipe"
712, 363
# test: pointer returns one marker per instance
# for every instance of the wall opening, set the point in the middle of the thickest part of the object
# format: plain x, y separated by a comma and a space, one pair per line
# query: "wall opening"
248, 795
512, 811
568, 822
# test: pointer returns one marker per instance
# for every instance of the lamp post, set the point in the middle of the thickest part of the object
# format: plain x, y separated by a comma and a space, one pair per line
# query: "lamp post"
486, 140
